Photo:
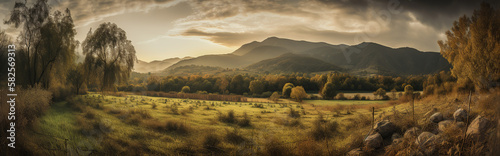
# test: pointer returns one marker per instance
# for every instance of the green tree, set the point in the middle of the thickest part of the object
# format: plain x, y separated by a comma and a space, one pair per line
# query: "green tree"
287, 90
76, 77
298, 93
472, 47
109, 53
256, 87
329, 91
185, 89
48, 44
275, 97
236, 85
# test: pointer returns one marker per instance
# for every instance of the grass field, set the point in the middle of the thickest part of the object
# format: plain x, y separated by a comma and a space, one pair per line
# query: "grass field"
167, 126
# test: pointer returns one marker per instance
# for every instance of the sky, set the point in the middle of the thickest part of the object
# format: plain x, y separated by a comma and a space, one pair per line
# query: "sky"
161, 29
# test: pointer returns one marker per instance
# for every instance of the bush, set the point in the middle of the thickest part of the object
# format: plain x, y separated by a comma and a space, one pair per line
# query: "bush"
294, 114
323, 129
177, 127
245, 122
211, 142
234, 137
274, 147
340, 96
227, 118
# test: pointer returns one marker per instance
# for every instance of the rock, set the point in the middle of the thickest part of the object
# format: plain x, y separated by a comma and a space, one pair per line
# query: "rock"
412, 132
374, 141
436, 117
397, 141
396, 136
460, 124
385, 128
443, 125
426, 138
426, 142
478, 128
355, 152
460, 115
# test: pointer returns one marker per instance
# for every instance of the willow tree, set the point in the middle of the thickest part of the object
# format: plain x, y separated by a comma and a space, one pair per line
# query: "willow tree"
109, 55
473, 47
47, 44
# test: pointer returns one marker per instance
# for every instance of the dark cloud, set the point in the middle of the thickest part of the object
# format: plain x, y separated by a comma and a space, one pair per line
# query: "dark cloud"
224, 38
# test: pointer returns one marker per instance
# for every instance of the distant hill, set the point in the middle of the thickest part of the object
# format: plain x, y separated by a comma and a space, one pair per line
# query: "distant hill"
155, 66
362, 59
291, 63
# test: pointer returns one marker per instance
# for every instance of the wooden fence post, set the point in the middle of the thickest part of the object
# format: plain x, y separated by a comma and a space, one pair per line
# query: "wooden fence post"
373, 117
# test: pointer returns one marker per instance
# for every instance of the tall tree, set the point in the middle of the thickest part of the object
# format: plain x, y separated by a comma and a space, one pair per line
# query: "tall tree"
287, 90
76, 77
47, 40
109, 54
473, 47
256, 87
329, 91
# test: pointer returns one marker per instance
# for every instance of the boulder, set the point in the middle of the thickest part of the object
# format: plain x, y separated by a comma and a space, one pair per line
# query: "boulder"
460, 124
436, 117
478, 128
443, 125
355, 152
412, 132
425, 139
426, 142
396, 136
460, 115
374, 141
385, 128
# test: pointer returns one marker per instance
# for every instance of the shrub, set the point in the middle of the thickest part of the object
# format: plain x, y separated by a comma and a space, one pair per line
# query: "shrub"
177, 127
227, 118
234, 137
245, 122
340, 96
274, 147
211, 142
323, 129
293, 113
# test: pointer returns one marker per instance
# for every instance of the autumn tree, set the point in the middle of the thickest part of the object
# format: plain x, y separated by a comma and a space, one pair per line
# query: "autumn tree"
329, 91
408, 90
109, 54
298, 93
380, 92
287, 90
185, 89
256, 87
47, 42
275, 97
472, 47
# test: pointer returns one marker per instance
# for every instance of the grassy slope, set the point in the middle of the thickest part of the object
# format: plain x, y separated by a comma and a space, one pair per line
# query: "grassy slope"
60, 121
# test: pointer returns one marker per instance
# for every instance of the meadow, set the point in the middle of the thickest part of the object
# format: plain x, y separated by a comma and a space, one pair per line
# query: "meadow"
128, 124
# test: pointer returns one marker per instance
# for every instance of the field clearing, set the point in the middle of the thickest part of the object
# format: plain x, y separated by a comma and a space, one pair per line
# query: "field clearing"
119, 132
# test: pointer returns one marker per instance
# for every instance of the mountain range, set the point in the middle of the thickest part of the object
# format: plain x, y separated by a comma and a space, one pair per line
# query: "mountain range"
280, 55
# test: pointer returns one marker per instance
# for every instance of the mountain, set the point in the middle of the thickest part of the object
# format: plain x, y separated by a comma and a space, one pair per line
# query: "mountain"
363, 59
155, 66
291, 63
373, 58
294, 46
234, 61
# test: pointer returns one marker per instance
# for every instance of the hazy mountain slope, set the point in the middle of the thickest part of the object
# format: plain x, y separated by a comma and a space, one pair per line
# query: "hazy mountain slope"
154, 66
290, 63
293, 45
361, 59
234, 61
